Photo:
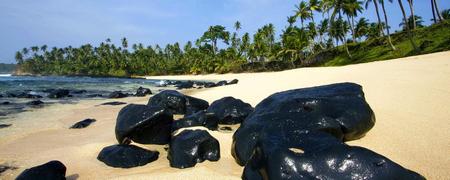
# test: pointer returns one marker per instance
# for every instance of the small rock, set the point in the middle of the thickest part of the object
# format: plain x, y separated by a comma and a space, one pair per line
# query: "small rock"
35, 103
5, 103
142, 92
114, 103
94, 95
53, 170
4, 168
191, 147
117, 95
221, 83
59, 93
126, 156
5, 125
234, 81
83, 124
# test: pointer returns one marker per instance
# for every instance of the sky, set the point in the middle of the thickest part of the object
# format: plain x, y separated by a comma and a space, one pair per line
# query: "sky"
60, 23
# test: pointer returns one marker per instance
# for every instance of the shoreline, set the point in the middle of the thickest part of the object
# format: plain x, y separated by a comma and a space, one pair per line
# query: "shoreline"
409, 92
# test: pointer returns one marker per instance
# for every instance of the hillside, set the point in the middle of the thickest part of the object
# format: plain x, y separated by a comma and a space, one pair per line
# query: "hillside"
7, 68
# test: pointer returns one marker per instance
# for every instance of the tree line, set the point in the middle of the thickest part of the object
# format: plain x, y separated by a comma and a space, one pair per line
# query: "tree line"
303, 37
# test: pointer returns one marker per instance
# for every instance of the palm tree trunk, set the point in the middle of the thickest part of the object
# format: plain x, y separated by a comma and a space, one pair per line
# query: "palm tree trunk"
434, 11
378, 17
352, 24
387, 26
437, 11
411, 8
406, 25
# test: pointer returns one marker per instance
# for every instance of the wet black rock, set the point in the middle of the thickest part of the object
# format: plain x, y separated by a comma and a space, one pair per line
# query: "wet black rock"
4, 168
83, 124
35, 103
226, 129
1, 95
339, 109
5, 125
230, 110
177, 102
114, 103
126, 156
318, 155
191, 147
234, 81
144, 125
94, 95
142, 92
25, 95
201, 118
59, 93
210, 85
117, 95
53, 170
221, 83
5, 103
78, 91
2, 114
185, 85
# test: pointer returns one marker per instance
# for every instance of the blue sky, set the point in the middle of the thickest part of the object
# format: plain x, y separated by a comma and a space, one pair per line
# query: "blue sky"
60, 23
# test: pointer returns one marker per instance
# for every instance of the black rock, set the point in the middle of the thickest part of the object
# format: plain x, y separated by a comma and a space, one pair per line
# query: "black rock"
94, 95
78, 91
25, 95
144, 124
4, 168
5, 125
83, 124
114, 103
226, 129
191, 147
142, 92
201, 118
1, 95
230, 110
53, 170
234, 81
117, 95
5, 103
210, 85
2, 114
185, 85
318, 155
339, 109
126, 156
221, 83
177, 102
35, 103
59, 93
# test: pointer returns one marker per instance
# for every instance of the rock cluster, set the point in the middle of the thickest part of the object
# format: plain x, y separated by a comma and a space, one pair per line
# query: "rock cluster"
53, 170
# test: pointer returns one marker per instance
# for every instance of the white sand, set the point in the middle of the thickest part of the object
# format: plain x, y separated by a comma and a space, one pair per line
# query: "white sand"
410, 97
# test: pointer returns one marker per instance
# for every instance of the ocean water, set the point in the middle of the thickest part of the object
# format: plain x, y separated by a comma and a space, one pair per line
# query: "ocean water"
41, 85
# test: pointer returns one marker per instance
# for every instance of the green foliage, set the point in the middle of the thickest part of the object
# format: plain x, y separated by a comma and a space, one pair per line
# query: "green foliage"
7, 68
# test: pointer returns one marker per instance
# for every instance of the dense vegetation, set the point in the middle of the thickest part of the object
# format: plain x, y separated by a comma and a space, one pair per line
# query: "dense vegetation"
7, 68
339, 38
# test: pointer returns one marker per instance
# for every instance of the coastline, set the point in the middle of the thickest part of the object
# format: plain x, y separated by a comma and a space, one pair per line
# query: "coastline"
409, 92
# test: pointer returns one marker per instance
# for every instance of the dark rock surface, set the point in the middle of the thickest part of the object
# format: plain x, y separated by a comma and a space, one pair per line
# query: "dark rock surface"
142, 92
5, 103
53, 170
126, 156
226, 129
59, 93
78, 91
230, 110
144, 124
83, 124
25, 95
177, 102
35, 103
117, 95
114, 103
339, 109
191, 147
210, 85
5, 125
2, 114
4, 168
234, 81
94, 95
221, 83
185, 85
318, 155
201, 118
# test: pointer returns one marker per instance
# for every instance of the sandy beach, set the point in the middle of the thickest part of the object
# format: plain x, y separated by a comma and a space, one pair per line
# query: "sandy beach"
410, 98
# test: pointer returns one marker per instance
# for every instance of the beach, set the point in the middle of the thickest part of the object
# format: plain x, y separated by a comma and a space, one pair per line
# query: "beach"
410, 97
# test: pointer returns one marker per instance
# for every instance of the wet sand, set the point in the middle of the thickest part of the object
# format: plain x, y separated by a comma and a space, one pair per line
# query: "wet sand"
410, 98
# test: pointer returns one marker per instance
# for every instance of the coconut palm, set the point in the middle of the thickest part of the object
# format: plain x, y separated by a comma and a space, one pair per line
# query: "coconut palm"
351, 9
322, 29
368, 2
419, 22
408, 30
411, 9
362, 28
437, 10
314, 5
387, 24
445, 14
303, 12
291, 20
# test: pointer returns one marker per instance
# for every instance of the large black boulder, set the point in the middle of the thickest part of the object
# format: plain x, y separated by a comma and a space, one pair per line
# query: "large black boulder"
5, 103
83, 124
191, 147
185, 85
177, 102
141, 92
234, 81
339, 109
126, 156
53, 170
59, 93
221, 83
144, 124
318, 155
201, 118
117, 95
230, 110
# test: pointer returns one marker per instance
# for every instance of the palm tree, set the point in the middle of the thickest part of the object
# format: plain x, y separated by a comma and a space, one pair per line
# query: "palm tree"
377, 11
411, 9
237, 26
387, 24
351, 9
437, 10
19, 57
124, 43
314, 5
362, 28
323, 27
338, 30
446, 14
410, 36
419, 22
303, 12
291, 20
